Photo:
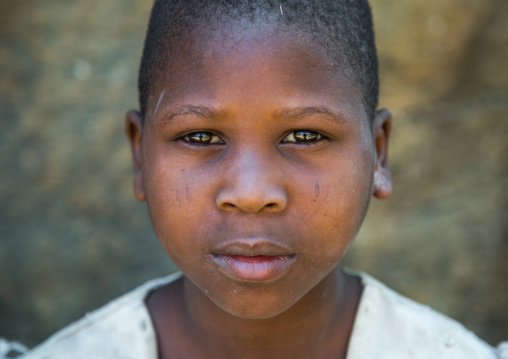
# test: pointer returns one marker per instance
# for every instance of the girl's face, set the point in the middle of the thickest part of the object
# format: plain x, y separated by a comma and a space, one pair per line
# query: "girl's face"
257, 161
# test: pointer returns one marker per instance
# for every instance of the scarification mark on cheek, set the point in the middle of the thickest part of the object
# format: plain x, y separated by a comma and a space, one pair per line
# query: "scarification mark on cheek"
317, 191
178, 197
182, 196
158, 103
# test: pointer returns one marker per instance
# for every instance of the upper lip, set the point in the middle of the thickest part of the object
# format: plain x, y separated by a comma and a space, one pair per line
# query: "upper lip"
252, 247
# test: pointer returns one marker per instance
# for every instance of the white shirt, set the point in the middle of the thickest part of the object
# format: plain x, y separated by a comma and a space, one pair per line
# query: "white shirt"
387, 325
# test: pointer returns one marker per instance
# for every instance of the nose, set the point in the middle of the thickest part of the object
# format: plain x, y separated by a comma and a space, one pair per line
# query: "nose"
252, 184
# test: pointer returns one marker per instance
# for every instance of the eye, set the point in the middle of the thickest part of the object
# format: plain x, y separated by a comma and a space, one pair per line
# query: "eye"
302, 136
203, 138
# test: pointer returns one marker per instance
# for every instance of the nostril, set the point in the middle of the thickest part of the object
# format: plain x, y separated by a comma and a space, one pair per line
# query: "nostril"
227, 206
274, 207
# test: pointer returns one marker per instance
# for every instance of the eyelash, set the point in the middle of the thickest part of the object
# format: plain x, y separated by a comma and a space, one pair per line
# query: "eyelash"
209, 138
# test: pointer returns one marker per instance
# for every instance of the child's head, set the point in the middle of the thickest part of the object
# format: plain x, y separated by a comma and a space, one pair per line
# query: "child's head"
257, 149
343, 28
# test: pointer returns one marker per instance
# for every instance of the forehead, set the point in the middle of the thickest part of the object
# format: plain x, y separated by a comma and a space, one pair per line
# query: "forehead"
253, 60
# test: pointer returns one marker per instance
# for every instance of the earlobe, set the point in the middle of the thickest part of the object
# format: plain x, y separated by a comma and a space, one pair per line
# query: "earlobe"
381, 131
382, 184
134, 131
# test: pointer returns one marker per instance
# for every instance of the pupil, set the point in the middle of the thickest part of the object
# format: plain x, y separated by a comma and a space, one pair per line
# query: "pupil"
201, 137
302, 136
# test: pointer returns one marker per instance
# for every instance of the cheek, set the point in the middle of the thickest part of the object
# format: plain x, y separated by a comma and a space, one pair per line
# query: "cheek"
337, 209
175, 201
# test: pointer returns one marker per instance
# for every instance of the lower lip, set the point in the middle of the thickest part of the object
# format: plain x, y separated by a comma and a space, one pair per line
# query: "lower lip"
254, 268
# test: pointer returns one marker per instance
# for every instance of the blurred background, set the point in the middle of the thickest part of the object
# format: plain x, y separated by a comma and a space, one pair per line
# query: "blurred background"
72, 236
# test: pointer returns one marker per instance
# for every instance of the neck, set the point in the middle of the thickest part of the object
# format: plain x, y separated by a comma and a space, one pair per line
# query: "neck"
321, 320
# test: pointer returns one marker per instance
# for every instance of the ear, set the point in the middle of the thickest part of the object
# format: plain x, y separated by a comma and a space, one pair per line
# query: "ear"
381, 131
134, 132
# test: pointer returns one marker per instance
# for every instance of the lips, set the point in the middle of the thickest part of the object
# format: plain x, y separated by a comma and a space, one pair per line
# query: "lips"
253, 260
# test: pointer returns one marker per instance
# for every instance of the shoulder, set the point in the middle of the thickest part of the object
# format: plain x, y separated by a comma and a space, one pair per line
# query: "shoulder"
120, 329
389, 325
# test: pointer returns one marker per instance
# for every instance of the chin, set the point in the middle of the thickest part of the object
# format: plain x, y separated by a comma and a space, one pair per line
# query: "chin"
255, 313
262, 307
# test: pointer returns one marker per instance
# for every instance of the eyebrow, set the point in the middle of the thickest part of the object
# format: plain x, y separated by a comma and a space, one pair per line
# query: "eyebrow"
300, 112
285, 114
200, 111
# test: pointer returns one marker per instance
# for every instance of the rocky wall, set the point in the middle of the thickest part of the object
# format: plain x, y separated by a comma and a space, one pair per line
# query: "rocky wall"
72, 236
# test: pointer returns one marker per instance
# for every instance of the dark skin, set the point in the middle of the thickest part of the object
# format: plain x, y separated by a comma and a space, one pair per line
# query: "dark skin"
257, 161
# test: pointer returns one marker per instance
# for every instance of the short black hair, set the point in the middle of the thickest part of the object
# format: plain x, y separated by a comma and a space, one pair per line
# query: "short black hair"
343, 27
